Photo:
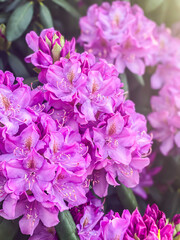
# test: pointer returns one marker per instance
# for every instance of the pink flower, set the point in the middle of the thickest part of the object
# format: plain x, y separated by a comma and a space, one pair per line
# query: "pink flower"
119, 33
165, 117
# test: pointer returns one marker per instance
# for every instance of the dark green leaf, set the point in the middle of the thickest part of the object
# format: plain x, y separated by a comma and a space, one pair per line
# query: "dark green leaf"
17, 66
3, 17
8, 229
66, 229
45, 16
171, 203
20, 236
155, 194
19, 21
127, 197
67, 6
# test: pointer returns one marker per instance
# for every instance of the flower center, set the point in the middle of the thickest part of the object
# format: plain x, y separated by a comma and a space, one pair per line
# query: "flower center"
5, 102
70, 76
112, 129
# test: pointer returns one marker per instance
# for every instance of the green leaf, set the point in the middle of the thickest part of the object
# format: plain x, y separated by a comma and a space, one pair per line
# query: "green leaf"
17, 66
127, 197
149, 5
171, 203
67, 6
19, 21
66, 229
45, 16
8, 229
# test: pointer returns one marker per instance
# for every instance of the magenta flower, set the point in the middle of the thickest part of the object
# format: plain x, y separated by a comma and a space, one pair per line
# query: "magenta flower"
7, 78
113, 226
151, 226
176, 223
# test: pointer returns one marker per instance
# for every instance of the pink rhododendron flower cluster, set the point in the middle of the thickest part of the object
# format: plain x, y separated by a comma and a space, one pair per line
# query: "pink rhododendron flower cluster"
167, 58
119, 33
76, 131
92, 225
165, 116
87, 96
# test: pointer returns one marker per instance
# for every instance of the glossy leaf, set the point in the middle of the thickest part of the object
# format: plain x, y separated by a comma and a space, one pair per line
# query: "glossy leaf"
127, 197
66, 229
68, 7
19, 21
45, 16
17, 66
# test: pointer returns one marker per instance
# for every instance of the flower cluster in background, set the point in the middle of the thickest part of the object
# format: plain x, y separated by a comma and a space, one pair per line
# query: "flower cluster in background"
121, 34
165, 116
